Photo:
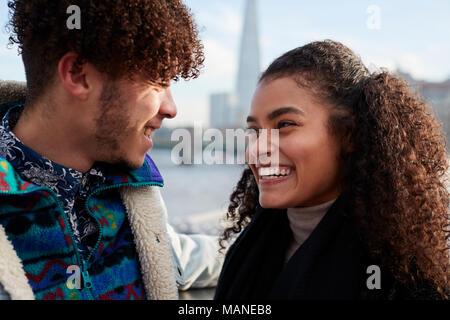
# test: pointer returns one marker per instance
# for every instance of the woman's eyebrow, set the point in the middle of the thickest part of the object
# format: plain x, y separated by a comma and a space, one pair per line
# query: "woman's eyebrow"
284, 110
278, 112
251, 119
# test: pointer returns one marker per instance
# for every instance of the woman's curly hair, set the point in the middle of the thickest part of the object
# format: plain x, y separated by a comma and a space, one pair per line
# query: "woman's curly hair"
151, 40
393, 162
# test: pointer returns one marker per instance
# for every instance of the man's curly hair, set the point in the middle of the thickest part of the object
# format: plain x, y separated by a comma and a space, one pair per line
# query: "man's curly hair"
393, 163
151, 40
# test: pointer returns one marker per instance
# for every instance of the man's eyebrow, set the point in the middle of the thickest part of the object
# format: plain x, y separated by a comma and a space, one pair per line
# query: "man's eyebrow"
284, 110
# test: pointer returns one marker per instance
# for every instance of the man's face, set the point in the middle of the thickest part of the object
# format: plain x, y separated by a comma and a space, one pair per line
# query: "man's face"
128, 115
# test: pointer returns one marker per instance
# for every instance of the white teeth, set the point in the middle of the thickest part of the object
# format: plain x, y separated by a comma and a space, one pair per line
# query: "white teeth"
273, 172
148, 132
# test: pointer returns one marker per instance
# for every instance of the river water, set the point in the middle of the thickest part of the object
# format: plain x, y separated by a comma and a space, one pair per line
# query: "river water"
196, 196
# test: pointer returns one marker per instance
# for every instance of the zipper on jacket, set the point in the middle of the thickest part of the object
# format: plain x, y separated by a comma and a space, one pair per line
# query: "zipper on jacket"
86, 277
80, 260
85, 272
136, 185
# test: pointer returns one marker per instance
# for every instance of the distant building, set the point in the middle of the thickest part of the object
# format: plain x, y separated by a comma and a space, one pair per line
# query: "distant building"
437, 94
229, 110
249, 63
222, 110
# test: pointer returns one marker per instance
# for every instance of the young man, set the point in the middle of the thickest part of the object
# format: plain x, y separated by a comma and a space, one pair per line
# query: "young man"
81, 216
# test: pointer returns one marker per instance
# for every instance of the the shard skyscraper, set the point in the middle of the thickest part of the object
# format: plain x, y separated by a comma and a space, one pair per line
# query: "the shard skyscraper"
230, 110
249, 63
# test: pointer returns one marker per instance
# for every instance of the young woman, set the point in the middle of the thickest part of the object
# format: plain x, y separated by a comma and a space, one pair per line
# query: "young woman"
357, 206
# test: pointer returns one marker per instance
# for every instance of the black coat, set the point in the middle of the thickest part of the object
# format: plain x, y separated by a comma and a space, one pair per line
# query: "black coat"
330, 264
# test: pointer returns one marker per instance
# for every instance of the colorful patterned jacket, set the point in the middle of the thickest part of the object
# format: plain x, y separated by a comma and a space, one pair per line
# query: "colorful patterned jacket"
39, 259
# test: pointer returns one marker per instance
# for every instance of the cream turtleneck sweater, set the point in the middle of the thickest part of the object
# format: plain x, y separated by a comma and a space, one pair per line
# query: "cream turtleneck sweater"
302, 222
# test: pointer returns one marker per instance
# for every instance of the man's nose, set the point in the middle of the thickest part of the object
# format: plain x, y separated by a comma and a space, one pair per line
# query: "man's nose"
168, 107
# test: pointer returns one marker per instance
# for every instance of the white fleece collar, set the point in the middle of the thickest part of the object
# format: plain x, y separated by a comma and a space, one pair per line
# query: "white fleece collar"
146, 214
12, 275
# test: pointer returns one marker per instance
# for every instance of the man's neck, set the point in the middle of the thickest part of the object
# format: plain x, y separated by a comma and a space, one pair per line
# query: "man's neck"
53, 137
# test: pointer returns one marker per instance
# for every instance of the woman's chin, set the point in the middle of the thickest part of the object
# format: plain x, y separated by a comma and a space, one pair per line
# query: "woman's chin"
271, 202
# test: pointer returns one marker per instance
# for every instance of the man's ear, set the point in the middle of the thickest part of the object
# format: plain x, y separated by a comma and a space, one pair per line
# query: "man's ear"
74, 79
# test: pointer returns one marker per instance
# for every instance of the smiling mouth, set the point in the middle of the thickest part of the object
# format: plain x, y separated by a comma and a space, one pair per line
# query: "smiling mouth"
149, 132
274, 173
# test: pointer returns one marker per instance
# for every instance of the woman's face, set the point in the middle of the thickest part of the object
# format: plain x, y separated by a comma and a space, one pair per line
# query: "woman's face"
307, 152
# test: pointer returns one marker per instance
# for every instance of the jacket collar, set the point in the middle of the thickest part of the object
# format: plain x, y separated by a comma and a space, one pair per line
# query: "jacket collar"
148, 174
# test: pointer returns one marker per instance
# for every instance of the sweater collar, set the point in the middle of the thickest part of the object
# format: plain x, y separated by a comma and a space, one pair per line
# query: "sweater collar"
303, 221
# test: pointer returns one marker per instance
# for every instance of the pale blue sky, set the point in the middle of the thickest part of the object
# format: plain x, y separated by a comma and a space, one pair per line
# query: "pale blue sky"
413, 35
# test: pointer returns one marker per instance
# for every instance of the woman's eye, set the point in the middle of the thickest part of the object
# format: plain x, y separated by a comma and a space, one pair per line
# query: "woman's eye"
251, 131
284, 124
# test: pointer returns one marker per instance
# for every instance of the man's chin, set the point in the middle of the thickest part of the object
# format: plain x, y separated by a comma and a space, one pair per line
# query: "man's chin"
128, 164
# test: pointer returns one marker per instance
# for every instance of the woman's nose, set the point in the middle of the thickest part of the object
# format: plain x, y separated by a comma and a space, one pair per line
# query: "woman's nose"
264, 149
